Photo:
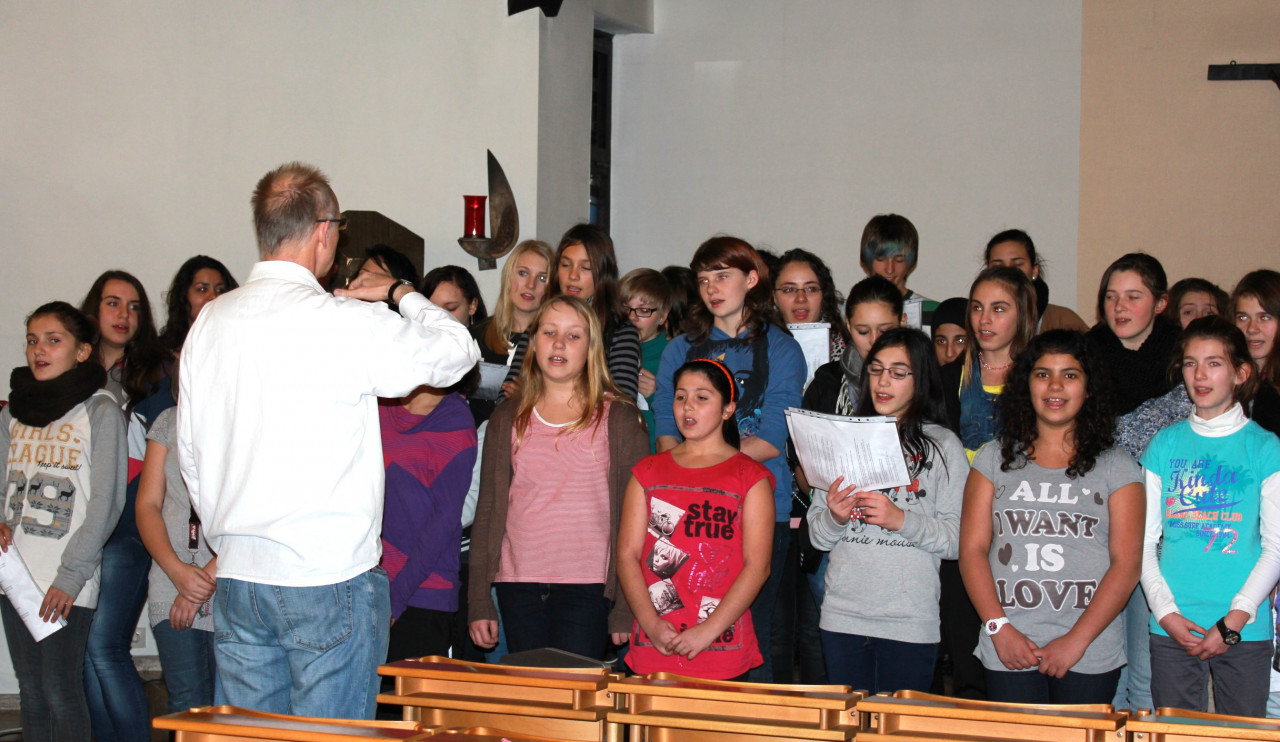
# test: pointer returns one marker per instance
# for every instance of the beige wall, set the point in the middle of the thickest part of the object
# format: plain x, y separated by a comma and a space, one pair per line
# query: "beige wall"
1170, 163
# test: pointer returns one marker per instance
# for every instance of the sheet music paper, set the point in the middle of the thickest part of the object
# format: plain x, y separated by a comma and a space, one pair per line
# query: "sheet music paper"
25, 595
815, 343
864, 450
491, 377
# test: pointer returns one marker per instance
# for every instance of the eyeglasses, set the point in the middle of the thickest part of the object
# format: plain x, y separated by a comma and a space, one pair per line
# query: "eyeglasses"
340, 221
895, 372
807, 290
642, 312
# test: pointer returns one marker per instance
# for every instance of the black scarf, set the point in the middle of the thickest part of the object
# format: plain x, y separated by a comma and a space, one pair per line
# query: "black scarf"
38, 403
1137, 375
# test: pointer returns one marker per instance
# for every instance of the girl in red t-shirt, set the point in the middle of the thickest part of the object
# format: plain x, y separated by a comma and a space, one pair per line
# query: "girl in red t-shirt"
695, 540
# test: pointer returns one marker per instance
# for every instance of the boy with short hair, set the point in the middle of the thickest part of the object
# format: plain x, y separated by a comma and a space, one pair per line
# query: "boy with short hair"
646, 295
889, 249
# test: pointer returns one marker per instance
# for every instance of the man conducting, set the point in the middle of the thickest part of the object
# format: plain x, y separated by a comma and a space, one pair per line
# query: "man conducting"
279, 443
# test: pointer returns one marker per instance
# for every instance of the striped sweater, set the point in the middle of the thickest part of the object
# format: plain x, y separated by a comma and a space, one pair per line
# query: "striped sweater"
429, 460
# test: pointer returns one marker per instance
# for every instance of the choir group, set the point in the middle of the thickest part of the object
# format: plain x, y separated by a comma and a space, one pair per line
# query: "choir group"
1093, 512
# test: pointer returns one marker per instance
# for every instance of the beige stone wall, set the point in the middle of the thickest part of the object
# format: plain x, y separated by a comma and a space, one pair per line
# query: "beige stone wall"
1170, 163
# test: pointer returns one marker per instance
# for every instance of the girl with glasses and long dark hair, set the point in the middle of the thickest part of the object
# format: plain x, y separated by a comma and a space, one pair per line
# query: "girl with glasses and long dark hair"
880, 608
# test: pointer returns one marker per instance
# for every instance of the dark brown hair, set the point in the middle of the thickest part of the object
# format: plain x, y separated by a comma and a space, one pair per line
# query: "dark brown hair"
758, 311
1217, 327
144, 358
1264, 286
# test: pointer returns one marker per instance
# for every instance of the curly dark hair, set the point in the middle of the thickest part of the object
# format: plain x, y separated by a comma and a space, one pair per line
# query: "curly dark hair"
178, 323
831, 298
1094, 426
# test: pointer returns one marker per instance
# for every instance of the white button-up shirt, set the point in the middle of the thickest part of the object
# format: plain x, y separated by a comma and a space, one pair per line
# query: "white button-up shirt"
278, 435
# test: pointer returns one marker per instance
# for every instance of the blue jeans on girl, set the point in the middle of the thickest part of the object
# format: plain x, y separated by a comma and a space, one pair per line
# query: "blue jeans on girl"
50, 676
117, 702
878, 665
573, 618
186, 657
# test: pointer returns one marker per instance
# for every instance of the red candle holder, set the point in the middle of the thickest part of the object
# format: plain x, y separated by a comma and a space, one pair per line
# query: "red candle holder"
473, 215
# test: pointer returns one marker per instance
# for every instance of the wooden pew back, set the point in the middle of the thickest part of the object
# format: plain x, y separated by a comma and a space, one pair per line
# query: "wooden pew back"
908, 716
232, 724
664, 707
1178, 725
568, 704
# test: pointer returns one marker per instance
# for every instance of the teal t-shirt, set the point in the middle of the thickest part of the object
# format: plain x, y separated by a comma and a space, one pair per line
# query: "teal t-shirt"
1211, 497
650, 357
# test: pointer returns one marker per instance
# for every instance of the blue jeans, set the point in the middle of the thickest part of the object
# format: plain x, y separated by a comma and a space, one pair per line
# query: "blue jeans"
117, 702
186, 657
1032, 687
878, 665
307, 651
50, 673
537, 615
1134, 689
762, 606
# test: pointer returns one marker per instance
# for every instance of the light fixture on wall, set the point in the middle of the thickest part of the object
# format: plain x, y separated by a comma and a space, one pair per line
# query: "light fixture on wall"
503, 217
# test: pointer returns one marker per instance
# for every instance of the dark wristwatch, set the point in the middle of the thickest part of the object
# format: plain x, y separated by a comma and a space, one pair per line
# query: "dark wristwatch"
391, 292
1229, 637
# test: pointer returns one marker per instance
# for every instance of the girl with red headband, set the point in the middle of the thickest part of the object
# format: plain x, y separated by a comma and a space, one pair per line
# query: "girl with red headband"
695, 539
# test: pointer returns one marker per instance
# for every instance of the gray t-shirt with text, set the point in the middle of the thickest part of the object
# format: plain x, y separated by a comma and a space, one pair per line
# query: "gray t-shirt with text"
1049, 550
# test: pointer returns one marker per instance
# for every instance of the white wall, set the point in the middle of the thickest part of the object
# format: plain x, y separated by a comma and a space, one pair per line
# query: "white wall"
131, 134
791, 124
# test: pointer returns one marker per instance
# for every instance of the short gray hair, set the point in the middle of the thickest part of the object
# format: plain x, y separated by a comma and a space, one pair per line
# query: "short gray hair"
287, 202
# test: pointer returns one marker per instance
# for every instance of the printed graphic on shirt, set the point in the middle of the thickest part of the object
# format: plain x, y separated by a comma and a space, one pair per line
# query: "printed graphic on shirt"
905, 498
1040, 534
665, 559
749, 362
663, 518
1201, 494
44, 503
664, 597
708, 606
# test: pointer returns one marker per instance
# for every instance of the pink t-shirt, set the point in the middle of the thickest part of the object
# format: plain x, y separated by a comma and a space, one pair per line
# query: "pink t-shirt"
558, 518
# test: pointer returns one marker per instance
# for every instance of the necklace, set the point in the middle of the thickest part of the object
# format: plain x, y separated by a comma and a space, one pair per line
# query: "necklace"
985, 367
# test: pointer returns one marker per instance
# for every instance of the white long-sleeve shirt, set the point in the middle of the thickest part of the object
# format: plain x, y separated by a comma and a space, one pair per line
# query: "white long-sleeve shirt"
278, 435
1265, 571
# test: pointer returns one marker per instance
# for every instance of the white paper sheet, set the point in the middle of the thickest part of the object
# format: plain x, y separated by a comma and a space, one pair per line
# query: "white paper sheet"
863, 450
815, 343
913, 309
491, 377
25, 595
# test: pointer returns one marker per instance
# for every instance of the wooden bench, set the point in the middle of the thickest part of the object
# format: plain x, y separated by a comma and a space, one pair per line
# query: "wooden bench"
569, 705
483, 734
908, 716
1176, 725
228, 724
673, 708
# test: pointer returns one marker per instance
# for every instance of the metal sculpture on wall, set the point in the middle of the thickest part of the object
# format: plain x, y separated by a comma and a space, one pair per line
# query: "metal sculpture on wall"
503, 218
